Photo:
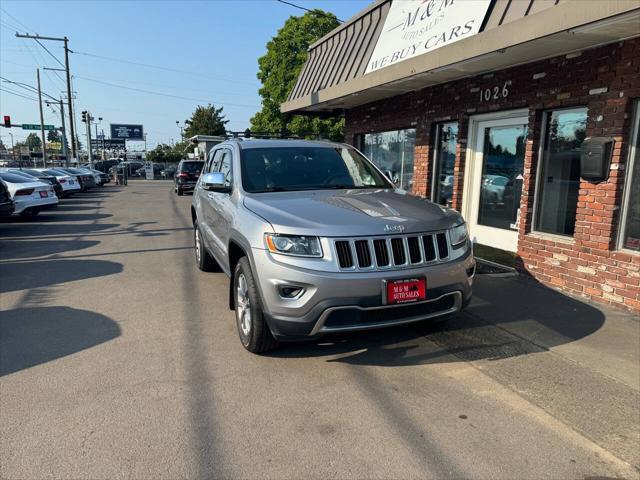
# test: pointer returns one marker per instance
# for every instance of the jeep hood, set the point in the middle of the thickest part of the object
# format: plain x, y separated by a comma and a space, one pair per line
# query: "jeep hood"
349, 213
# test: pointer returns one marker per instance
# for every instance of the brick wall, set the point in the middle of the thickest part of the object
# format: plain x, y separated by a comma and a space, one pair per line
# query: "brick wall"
606, 80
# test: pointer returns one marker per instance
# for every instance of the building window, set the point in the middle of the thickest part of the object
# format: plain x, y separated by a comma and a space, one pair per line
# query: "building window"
393, 153
559, 171
630, 232
444, 158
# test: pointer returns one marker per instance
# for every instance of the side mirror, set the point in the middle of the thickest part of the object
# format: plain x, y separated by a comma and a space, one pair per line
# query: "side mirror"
214, 182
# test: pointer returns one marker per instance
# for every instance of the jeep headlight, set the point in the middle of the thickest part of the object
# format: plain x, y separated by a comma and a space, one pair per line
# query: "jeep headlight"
458, 234
301, 246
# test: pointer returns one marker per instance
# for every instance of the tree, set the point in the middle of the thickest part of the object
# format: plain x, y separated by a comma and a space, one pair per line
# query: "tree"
278, 71
164, 153
33, 142
53, 136
207, 120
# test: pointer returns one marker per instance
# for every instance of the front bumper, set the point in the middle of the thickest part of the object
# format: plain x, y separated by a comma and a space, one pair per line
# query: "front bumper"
346, 301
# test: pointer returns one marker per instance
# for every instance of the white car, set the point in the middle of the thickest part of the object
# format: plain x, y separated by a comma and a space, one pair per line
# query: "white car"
94, 173
29, 197
69, 183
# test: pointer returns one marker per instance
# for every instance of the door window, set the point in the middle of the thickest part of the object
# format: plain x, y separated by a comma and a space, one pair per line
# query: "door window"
446, 140
226, 167
501, 181
392, 152
559, 172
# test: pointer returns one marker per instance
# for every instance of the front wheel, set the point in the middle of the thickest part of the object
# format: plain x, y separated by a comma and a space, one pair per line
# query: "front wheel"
253, 330
179, 191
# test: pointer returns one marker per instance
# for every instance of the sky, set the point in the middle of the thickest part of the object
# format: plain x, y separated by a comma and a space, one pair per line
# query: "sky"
207, 52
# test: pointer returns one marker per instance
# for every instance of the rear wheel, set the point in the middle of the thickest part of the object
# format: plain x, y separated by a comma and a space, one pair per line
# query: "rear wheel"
31, 212
204, 260
253, 330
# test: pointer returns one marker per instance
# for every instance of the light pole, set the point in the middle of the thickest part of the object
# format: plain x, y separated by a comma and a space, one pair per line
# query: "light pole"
13, 153
181, 127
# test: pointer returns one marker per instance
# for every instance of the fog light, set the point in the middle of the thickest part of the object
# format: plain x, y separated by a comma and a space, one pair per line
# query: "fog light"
289, 291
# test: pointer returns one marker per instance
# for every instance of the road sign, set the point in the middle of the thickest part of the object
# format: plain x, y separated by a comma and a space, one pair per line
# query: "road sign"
36, 126
127, 132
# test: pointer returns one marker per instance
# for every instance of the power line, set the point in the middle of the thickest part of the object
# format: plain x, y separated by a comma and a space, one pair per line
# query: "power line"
14, 18
164, 94
159, 67
4, 89
320, 13
26, 86
49, 52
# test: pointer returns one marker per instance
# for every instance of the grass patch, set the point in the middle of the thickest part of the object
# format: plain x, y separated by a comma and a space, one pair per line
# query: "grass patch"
495, 255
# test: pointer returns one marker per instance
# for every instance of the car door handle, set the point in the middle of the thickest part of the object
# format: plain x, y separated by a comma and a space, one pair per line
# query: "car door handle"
211, 195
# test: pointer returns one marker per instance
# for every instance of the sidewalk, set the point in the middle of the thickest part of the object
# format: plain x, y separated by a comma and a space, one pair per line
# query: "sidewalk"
577, 361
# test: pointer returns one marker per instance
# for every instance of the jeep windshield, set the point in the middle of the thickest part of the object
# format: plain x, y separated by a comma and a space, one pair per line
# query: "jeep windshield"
307, 168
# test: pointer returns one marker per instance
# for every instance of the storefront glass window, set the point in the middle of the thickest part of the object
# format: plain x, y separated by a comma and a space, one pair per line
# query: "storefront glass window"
444, 161
631, 222
559, 172
392, 152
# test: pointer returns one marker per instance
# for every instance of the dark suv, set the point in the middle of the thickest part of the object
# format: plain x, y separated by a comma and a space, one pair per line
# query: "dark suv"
187, 175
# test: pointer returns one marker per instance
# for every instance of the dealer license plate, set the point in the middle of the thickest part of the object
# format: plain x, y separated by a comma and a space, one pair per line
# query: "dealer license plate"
406, 291
44, 194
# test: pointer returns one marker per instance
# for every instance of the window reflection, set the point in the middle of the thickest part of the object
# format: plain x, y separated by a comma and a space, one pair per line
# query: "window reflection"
445, 157
559, 173
393, 153
502, 168
631, 237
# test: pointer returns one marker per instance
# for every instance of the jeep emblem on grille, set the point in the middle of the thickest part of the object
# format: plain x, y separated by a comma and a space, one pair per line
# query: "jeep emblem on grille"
394, 228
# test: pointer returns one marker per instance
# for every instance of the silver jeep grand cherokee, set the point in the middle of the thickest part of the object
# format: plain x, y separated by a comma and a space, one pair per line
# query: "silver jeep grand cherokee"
316, 239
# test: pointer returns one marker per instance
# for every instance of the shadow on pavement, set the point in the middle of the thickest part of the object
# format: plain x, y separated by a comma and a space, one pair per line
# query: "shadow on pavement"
25, 229
28, 275
53, 216
33, 336
39, 248
508, 317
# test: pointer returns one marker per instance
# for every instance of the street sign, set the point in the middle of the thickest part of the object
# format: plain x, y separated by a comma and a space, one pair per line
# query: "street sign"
108, 143
127, 132
36, 126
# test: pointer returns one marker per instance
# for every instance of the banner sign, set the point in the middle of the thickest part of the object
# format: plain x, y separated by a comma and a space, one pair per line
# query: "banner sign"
108, 143
127, 132
414, 27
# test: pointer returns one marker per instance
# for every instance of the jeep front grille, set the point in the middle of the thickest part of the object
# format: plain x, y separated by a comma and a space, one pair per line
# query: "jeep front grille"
394, 251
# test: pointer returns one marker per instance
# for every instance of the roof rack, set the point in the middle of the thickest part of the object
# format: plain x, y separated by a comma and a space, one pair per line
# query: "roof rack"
282, 135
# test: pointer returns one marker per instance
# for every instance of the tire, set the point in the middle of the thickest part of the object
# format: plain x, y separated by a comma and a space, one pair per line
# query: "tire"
253, 330
204, 260
179, 192
31, 212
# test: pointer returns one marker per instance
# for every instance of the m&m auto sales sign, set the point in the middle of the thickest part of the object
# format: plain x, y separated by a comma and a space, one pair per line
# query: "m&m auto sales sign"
414, 27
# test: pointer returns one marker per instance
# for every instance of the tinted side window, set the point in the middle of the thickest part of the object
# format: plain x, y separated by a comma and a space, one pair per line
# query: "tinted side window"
226, 167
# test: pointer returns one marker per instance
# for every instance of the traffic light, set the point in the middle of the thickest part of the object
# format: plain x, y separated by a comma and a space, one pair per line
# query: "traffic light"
84, 116
7, 121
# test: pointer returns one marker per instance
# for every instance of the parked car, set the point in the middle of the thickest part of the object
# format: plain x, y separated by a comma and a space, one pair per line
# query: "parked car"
316, 239
105, 165
493, 188
187, 175
43, 177
29, 196
99, 177
85, 179
69, 183
7, 206
168, 172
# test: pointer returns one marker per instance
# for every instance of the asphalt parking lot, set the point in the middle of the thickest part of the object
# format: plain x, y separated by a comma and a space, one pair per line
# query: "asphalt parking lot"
119, 359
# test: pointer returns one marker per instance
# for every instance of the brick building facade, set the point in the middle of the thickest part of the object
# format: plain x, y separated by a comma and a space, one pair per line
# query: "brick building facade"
494, 126
607, 81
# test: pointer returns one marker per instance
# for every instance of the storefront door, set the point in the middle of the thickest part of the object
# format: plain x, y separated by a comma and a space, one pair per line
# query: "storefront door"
493, 184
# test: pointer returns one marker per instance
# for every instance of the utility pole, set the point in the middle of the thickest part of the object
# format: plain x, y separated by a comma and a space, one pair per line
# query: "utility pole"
63, 128
66, 65
86, 118
44, 139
